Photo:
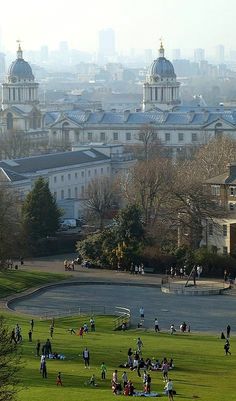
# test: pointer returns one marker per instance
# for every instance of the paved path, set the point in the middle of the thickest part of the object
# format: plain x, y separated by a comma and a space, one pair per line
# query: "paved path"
203, 313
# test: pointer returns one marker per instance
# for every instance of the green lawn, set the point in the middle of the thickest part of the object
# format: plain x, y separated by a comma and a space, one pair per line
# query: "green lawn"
201, 369
14, 281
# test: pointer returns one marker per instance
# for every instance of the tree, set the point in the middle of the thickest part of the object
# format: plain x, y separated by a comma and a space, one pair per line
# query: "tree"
147, 186
14, 144
9, 364
100, 198
150, 144
9, 224
189, 204
40, 213
212, 159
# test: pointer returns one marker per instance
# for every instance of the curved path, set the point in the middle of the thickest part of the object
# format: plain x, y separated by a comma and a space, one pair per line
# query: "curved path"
203, 313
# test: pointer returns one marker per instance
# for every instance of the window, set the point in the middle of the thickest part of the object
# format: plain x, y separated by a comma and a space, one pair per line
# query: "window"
115, 136
82, 174
101, 170
69, 176
232, 191
128, 136
89, 173
62, 178
224, 230
167, 136
210, 229
225, 250
108, 169
69, 193
55, 179
215, 190
231, 206
9, 121
194, 137
102, 136
180, 136
95, 171
76, 175
76, 192
62, 194
90, 136
82, 191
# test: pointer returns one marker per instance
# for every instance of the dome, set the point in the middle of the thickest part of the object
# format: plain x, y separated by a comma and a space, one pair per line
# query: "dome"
163, 68
19, 68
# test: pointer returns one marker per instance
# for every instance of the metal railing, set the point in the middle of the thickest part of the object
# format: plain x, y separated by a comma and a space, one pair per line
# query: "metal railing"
124, 318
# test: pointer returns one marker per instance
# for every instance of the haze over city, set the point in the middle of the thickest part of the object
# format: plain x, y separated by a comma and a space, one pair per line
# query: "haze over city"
184, 24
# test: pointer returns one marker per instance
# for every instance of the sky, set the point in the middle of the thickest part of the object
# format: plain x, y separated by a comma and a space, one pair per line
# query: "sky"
138, 24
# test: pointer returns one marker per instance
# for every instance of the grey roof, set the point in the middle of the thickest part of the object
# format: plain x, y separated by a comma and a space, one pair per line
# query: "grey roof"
15, 169
218, 180
163, 68
194, 117
21, 69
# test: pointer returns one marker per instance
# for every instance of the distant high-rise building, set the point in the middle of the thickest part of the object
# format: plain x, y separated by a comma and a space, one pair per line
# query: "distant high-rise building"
220, 54
199, 55
106, 45
176, 54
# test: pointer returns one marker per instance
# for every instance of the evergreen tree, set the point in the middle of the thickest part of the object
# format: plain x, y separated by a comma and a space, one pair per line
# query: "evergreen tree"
41, 215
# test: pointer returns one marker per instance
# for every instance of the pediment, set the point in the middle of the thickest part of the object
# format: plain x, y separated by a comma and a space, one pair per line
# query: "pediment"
64, 119
224, 124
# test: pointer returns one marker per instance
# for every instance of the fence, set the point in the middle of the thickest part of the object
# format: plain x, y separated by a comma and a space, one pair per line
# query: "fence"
124, 315
124, 318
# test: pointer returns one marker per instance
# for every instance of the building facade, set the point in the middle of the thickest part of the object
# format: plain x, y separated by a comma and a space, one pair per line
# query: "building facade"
68, 173
219, 234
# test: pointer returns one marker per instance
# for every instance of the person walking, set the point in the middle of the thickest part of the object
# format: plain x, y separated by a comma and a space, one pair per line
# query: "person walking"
103, 371
139, 345
169, 389
141, 311
32, 324
59, 381
51, 331
124, 379
228, 330
86, 357
30, 336
156, 325
227, 347
44, 369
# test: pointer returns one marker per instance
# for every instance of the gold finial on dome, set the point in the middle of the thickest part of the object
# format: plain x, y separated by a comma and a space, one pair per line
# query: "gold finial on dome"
161, 50
19, 50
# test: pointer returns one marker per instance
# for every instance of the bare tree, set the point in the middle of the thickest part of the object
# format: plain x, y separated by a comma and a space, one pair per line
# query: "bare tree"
14, 144
100, 198
149, 146
190, 204
147, 186
212, 159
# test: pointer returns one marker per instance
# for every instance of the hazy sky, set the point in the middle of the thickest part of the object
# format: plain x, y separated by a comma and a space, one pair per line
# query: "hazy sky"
138, 24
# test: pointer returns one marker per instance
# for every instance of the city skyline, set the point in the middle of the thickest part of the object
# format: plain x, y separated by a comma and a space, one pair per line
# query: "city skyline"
135, 26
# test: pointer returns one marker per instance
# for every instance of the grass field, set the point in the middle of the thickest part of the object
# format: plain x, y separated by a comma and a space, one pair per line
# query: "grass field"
15, 281
201, 369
